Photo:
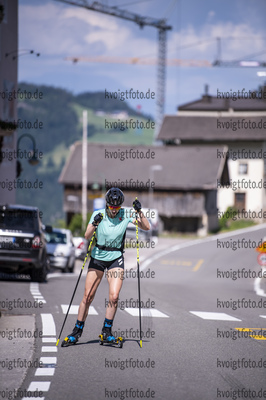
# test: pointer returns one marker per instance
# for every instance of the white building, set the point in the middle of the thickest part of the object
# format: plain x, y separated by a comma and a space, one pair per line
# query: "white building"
239, 124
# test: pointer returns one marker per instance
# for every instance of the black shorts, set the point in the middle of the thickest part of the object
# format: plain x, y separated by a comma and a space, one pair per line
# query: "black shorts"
101, 265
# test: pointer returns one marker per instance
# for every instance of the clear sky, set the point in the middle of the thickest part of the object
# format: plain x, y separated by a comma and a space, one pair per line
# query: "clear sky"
58, 30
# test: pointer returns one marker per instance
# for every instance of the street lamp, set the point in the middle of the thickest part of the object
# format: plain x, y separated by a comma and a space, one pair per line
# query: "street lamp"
33, 160
152, 169
18, 53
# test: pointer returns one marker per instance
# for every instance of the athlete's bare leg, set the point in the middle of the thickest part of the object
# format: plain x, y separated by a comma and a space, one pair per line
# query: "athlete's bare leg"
115, 279
93, 280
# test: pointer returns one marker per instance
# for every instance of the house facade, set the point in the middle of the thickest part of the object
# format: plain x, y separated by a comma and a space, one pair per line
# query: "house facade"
240, 125
176, 181
8, 98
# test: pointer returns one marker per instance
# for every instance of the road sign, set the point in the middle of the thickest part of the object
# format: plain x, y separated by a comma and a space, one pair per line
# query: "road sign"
261, 248
98, 203
262, 259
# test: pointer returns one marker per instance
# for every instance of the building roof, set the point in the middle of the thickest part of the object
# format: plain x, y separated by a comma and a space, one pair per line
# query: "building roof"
189, 129
183, 168
223, 101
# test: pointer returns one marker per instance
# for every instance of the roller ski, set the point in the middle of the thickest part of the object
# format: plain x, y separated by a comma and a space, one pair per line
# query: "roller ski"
74, 336
106, 337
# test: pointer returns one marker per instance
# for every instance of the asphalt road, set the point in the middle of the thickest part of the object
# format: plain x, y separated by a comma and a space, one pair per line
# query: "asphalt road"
205, 328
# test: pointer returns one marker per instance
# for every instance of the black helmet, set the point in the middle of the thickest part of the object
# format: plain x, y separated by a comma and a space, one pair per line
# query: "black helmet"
114, 197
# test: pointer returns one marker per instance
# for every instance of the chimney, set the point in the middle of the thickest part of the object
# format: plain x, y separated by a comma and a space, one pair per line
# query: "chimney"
206, 97
264, 91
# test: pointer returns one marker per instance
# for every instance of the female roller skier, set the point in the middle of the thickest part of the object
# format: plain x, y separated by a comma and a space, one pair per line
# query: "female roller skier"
110, 225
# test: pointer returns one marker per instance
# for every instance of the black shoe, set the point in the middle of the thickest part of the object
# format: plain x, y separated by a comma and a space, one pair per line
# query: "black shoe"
75, 335
107, 333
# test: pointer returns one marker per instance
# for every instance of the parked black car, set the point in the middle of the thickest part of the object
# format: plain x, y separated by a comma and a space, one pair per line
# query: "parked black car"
22, 242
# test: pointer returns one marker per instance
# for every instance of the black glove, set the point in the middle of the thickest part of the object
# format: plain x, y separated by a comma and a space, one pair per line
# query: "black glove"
97, 219
137, 205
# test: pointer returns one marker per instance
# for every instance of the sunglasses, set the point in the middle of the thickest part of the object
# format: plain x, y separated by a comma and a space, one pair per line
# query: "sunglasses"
114, 207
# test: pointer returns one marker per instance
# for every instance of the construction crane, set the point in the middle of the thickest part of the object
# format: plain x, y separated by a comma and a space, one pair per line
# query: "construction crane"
159, 24
174, 62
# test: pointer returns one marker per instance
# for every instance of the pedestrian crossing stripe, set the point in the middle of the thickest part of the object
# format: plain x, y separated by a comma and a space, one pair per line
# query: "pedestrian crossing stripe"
39, 386
44, 372
263, 316
74, 309
47, 361
48, 325
146, 312
49, 349
49, 340
214, 316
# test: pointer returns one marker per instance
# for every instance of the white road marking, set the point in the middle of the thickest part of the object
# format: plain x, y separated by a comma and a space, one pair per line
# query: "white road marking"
48, 325
49, 349
214, 316
48, 360
74, 309
39, 387
263, 316
44, 372
34, 285
146, 312
165, 252
59, 275
35, 292
49, 340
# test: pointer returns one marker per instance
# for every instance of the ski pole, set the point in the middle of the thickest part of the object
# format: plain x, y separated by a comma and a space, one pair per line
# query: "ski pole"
85, 259
137, 237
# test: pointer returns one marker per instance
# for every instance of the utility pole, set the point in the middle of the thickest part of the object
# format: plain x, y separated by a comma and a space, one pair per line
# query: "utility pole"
84, 170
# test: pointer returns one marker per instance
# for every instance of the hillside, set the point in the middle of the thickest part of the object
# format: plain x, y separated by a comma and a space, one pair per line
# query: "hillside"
58, 115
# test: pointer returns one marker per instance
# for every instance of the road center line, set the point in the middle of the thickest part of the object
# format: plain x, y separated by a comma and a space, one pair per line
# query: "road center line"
198, 265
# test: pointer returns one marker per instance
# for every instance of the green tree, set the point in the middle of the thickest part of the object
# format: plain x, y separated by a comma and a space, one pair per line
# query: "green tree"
76, 224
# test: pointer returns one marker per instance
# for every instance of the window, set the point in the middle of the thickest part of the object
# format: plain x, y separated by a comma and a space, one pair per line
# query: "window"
243, 169
240, 201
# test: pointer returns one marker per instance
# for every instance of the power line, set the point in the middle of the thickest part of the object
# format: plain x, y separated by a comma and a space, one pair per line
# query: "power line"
170, 8
135, 2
